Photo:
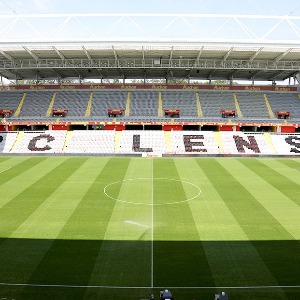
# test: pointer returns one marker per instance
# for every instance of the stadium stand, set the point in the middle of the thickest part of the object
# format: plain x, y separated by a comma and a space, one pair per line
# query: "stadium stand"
74, 101
212, 102
252, 105
153, 142
191, 141
285, 102
144, 103
137, 141
182, 100
104, 100
36, 104
286, 144
91, 141
7, 140
39, 142
248, 143
10, 99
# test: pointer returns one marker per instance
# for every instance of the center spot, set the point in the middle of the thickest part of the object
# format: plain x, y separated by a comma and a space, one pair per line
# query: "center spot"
152, 191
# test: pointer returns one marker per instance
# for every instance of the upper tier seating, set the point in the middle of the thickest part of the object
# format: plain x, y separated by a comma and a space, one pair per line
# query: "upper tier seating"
10, 99
252, 105
144, 103
214, 101
182, 100
103, 100
74, 101
285, 102
36, 104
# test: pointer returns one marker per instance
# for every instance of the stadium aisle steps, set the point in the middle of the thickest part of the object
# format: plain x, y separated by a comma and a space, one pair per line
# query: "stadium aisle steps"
17, 141
160, 106
117, 140
168, 140
67, 140
49, 110
199, 109
271, 114
127, 110
89, 106
237, 106
17, 113
270, 142
218, 139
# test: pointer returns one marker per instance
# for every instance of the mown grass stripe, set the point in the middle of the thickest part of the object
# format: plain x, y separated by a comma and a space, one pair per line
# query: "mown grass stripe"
225, 244
22, 181
279, 181
51, 216
283, 262
71, 261
290, 173
4, 159
126, 246
282, 208
16, 211
177, 249
18, 169
27, 245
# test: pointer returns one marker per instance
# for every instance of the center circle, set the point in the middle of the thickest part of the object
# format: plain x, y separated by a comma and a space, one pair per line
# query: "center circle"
152, 191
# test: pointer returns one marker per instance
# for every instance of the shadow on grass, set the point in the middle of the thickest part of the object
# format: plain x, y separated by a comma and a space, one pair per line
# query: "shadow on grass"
75, 264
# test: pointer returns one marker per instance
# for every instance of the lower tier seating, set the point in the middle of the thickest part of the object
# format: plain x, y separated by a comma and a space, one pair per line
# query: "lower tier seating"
151, 142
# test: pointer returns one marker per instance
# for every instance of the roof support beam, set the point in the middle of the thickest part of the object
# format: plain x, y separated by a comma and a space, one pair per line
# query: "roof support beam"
15, 74
7, 56
282, 55
87, 53
277, 73
143, 55
171, 56
198, 56
255, 54
117, 61
254, 74
59, 54
34, 56
211, 74
227, 54
115, 54
230, 77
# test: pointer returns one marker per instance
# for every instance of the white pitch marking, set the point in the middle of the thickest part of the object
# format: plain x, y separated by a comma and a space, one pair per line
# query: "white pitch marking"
151, 204
5, 170
147, 287
296, 170
152, 227
135, 223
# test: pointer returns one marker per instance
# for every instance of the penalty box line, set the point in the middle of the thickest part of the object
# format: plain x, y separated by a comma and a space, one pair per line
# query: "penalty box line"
149, 287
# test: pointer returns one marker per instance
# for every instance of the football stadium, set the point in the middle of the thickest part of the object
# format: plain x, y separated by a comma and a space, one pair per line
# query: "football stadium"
149, 168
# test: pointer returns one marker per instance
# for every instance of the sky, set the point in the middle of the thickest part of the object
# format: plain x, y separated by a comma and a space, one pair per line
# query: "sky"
268, 7
106, 27
112, 28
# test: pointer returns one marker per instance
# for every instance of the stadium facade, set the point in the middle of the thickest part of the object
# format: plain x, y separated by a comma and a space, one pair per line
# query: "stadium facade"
176, 100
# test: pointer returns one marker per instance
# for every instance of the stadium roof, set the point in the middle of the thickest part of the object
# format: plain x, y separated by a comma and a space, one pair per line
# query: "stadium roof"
258, 56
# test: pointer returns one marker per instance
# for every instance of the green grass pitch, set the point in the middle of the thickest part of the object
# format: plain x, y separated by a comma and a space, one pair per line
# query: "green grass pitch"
123, 228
